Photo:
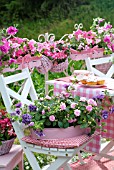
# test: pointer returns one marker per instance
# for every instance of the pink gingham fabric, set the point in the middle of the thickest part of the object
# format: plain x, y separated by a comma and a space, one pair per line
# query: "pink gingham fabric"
81, 91
68, 143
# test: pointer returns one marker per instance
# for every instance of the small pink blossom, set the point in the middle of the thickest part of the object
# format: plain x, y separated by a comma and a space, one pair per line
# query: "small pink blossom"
48, 97
77, 112
43, 112
12, 61
90, 102
83, 99
89, 108
12, 30
73, 105
63, 106
70, 121
31, 124
52, 118
107, 39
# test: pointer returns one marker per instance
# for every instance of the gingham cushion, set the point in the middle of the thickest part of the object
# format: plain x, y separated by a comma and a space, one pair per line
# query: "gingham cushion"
60, 143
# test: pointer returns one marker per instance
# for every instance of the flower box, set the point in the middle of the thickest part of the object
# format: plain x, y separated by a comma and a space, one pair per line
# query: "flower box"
59, 133
27, 61
92, 53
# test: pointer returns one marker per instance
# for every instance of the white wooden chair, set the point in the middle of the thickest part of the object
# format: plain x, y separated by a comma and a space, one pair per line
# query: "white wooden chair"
92, 62
30, 145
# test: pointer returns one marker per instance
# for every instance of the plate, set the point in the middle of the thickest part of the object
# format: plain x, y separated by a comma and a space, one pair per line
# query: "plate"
96, 86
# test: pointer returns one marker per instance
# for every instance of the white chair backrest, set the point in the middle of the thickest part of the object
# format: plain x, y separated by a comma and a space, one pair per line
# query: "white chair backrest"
27, 89
92, 62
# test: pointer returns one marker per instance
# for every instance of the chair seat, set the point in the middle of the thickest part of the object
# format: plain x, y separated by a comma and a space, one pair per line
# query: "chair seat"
69, 143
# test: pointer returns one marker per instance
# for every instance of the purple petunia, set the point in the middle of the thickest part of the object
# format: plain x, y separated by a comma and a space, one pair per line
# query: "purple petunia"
17, 111
26, 118
32, 108
105, 114
18, 104
66, 86
99, 97
39, 133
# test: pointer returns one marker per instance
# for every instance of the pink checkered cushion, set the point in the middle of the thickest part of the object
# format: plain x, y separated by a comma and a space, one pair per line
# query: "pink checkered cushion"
68, 143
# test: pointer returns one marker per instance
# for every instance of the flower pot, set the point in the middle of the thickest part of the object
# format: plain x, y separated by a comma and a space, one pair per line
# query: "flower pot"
6, 146
60, 67
60, 133
46, 65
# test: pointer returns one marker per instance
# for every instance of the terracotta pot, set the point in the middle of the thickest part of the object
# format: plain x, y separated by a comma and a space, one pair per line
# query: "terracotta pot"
60, 133
6, 146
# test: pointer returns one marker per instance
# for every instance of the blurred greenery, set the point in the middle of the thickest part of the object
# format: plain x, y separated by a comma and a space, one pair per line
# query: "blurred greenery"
58, 17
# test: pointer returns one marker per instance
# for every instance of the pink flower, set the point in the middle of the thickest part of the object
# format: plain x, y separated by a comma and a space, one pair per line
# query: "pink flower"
12, 61
83, 99
73, 105
90, 102
12, 30
52, 118
89, 108
77, 112
63, 106
70, 121
107, 39
31, 124
112, 47
48, 97
43, 112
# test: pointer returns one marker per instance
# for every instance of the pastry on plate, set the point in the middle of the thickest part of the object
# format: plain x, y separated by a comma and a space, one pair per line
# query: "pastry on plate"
92, 81
84, 80
100, 81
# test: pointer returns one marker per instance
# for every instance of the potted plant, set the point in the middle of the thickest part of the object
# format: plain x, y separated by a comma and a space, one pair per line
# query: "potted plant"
105, 32
61, 112
16, 51
83, 44
57, 53
7, 134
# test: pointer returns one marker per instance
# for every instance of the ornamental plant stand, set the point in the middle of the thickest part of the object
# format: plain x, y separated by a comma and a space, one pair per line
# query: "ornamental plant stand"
64, 149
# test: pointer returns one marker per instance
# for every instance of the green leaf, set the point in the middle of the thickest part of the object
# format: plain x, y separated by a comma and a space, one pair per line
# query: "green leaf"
54, 123
37, 117
85, 125
66, 125
60, 124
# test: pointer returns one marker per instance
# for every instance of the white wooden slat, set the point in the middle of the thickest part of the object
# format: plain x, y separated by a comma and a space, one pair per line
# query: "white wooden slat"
110, 71
18, 97
32, 91
100, 60
26, 89
15, 78
97, 72
5, 95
